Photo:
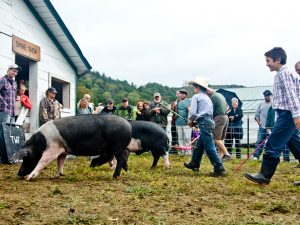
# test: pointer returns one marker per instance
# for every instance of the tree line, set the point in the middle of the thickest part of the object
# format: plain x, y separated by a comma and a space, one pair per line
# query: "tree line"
101, 87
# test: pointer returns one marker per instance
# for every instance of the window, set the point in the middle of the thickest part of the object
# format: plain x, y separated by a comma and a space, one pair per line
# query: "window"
63, 89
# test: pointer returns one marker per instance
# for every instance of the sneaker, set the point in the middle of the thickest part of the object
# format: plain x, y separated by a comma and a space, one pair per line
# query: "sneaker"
191, 166
255, 158
226, 158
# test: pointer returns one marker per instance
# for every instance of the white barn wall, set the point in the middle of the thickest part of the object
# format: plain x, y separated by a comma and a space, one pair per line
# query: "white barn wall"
18, 20
6, 55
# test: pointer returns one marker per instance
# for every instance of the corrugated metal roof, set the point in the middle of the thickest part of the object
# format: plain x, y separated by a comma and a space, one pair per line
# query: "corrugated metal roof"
59, 33
250, 96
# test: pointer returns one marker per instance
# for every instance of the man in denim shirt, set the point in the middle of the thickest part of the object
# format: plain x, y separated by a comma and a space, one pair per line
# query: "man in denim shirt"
286, 102
202, 114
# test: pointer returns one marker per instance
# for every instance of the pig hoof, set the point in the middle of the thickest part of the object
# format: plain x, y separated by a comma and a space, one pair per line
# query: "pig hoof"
30, 179
115, 176
32, 176
58, 176
167, 165
93, 164
125, 168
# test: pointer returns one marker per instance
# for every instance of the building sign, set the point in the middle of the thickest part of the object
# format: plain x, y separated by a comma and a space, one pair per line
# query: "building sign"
26, 49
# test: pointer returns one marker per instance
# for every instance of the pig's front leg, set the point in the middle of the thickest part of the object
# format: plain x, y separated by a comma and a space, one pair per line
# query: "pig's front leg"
48, 156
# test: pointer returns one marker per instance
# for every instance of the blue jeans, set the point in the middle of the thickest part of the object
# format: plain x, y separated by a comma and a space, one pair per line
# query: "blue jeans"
261, 136
206, 142
284, 133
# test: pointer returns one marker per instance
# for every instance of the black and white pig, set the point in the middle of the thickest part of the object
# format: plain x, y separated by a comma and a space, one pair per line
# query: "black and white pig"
146, 136
86, 135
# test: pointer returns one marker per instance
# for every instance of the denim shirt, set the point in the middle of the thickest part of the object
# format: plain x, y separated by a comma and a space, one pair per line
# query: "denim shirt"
201, 106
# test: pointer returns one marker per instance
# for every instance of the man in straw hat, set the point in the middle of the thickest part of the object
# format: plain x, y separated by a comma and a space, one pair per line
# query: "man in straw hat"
202, 114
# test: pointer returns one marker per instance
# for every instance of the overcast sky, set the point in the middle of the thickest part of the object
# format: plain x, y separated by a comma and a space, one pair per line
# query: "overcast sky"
170, 41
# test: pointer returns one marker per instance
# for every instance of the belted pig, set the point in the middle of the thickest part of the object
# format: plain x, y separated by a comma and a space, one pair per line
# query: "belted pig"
86, 135
146, 136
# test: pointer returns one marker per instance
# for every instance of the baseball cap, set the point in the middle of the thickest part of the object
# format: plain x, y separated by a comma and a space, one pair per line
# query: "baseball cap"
14, 66
156, 94
267, 93
183, 91
109, 101
124, 100
51, 90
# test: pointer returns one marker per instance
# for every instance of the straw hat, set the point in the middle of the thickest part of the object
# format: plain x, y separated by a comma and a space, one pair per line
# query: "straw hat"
201, 81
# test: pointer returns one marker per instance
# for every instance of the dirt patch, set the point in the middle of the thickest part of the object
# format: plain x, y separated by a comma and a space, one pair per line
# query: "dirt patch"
141, 196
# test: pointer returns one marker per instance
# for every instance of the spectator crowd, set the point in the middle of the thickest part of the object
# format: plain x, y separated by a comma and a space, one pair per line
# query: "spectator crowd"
206, 112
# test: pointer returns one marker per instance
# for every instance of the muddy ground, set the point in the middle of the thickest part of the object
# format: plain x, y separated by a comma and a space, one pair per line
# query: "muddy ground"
140, 196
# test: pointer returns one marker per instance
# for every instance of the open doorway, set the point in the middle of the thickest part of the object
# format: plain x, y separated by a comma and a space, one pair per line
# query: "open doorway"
23, 79
23, 76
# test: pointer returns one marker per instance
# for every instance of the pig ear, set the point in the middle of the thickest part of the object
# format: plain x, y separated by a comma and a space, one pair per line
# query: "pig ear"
21, 154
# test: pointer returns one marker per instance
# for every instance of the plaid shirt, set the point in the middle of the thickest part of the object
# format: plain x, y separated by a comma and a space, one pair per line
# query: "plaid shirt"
8, 88
287, 91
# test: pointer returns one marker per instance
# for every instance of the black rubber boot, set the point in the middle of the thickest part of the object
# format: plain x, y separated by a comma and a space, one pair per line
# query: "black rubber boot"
219, 172
257, 178
192, 166
267, 170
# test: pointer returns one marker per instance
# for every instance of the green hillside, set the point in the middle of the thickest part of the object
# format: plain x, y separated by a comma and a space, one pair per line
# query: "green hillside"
102, 87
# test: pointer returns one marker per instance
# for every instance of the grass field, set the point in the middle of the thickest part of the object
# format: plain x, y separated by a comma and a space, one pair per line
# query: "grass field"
141, 196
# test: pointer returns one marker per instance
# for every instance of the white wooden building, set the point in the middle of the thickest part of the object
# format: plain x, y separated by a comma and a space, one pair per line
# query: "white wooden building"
33, 36
251, 97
